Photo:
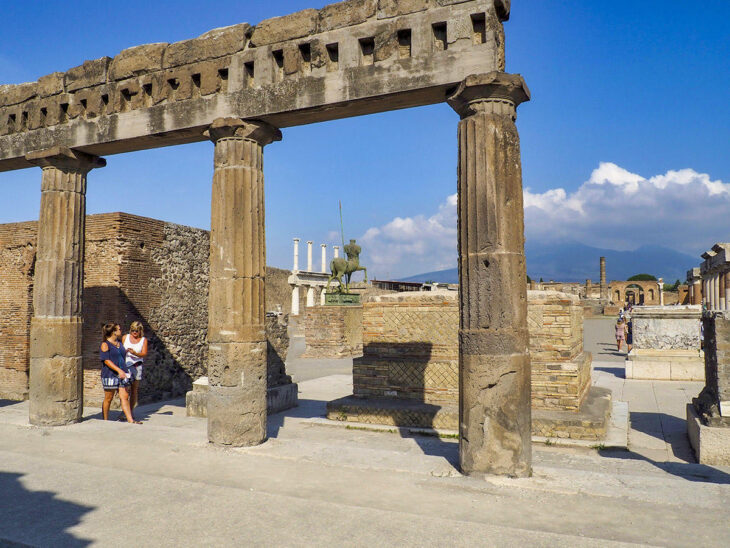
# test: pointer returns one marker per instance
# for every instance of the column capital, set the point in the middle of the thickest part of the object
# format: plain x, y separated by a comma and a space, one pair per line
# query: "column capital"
235, 128
65, 159
492, 92
322, 245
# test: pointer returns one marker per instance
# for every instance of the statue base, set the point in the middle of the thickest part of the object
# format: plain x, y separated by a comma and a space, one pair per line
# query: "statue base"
341, 299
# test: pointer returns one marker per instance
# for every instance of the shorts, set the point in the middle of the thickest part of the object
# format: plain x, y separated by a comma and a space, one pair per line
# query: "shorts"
136, 372
111, 381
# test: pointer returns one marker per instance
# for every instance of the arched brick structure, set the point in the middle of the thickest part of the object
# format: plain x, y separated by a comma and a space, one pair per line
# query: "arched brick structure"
650, 290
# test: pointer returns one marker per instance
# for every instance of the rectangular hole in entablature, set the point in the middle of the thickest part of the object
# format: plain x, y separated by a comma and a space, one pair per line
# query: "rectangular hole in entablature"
249, 74
174, 83
84, 104
44, 115
367, 51
305, 52
278, 56
196, 82
63, 116
126, 99
333, 57
439, 37
104, 102
146, 94
404, 43
223, 79
11, 123
479, 28
23, 120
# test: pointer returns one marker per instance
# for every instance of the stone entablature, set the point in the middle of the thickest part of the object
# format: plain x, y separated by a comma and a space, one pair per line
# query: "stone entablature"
715, 274
365, 55
666, 343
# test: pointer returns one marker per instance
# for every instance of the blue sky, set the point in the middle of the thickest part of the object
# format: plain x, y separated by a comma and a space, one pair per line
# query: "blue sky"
625, 142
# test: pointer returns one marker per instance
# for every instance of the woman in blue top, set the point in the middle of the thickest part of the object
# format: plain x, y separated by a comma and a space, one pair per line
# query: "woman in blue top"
115, 375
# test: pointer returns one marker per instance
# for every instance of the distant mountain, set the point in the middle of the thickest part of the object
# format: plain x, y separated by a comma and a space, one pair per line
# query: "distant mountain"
574, 262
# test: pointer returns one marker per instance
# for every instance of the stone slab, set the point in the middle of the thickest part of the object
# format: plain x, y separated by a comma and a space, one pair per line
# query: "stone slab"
711, 444
668, 365
278, 398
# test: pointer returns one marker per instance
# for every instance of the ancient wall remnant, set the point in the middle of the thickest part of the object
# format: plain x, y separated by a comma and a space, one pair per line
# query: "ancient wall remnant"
135, 268
333, 331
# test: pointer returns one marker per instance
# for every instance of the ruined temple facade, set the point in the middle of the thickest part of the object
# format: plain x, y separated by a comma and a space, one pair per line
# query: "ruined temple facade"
238, 87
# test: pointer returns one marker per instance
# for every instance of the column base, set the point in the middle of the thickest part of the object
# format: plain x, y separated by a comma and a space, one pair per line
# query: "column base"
236, 416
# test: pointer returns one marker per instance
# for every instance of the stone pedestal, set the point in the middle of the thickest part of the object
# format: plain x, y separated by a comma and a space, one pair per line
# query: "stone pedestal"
236, 335
494, 362
56, 375
333, 331
666, 344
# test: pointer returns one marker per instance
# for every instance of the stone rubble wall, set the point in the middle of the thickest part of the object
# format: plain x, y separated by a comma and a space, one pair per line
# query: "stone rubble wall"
300, 63
666, 328
135, 269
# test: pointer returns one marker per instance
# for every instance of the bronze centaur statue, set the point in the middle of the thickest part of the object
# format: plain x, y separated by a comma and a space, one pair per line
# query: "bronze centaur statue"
345, 267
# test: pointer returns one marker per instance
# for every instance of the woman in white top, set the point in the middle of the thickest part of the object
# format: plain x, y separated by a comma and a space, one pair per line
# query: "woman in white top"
136, 345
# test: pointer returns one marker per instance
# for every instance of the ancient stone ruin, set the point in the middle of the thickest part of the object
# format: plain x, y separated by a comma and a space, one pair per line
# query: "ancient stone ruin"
238, 86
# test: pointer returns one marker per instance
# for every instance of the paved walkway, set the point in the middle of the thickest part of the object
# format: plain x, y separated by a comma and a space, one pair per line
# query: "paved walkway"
161, 484
657, 409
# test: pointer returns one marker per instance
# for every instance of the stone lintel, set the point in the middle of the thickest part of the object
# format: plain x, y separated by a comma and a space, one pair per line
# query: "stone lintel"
491, 87
252, 130
65, 159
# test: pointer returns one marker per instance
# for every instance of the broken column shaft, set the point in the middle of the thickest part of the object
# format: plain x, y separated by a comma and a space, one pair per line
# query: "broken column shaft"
236, 329
494, 364
56, 373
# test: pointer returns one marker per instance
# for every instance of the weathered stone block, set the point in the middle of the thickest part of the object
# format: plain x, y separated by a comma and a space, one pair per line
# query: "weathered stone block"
394, 8
50, 337
345, 14
237, 364
236, 416
90, 73
55, 390
215, 43
137, 60
15, 94
50, 84
288, 27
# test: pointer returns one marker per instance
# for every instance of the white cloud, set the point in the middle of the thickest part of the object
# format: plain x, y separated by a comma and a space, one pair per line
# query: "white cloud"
613, 209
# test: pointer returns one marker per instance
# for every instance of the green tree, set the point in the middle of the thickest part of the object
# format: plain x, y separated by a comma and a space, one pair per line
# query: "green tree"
642, 278
529, 280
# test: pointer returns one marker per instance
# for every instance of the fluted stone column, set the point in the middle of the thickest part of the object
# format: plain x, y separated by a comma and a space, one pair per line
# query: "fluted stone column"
715, 291
660, 287
336, 250
721, 291
727, 290
236, 330
295, 301
56, 372
309, 256
310, 296
296, 254
494, 363
324, 257
604, 290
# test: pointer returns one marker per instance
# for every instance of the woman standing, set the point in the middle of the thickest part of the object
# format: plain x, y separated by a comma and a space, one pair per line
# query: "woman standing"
620, 333
136, 346
114, 373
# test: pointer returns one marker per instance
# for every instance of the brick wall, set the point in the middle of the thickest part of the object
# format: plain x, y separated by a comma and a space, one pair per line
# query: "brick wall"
333, 331
410, 349
136, 268
17, 259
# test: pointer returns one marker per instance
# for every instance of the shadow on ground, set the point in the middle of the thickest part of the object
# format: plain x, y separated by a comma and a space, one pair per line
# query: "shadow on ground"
37, 517
688, 471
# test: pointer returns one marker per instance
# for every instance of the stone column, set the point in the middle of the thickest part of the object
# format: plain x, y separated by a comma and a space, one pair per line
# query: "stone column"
322, 293
295, 301
337, 251
494, 363
715, 291
727, 290
603, 277
296, 255
236, 329
324, 258
310, 296
56, 372
721, 291
660, 283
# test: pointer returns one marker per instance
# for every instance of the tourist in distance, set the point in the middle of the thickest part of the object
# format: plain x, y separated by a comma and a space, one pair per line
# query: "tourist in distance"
620, 333
115, 376
135, 344
629, 335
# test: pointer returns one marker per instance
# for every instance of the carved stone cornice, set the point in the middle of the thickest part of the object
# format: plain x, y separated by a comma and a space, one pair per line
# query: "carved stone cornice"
493, 92
235, 128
